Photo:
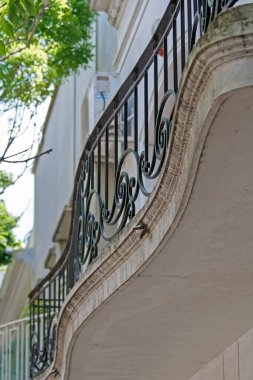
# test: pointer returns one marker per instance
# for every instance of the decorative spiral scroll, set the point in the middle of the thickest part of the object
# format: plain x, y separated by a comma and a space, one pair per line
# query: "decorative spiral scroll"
94, 219
162, 133
42, 352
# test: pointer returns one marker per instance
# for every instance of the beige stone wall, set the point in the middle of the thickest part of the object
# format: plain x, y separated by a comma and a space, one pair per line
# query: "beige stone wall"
235, 363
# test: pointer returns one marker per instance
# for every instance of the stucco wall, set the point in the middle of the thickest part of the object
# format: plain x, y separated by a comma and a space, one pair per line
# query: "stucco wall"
235, 363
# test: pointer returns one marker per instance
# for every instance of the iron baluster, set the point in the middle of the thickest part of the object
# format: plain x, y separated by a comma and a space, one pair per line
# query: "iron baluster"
44, 313
189, 19
175, 75
115, 143
136, 119
106, 167
54, 282
125, 126
38, 325
99, 167
182, 24
146, 117
155, 90
92, 169
165, 64
195, 7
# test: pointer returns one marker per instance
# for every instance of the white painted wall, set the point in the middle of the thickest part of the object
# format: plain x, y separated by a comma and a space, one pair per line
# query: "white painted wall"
67, 131
54, 174
66, 134
135, 31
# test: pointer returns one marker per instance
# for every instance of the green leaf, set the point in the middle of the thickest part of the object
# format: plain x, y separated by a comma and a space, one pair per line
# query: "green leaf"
3, 6
60, 44
2, 48
19, 8
27, 5
7, 27
13, 14
8, 241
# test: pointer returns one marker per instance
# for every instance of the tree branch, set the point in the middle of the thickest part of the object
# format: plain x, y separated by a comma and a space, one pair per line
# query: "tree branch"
37, 19
14, 181
4, 57
16, 154
30, 33
27, 159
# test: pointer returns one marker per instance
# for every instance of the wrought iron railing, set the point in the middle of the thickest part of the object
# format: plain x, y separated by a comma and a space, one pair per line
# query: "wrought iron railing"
121, 161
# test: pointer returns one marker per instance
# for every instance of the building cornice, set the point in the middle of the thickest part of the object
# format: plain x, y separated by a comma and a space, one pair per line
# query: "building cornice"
114, 9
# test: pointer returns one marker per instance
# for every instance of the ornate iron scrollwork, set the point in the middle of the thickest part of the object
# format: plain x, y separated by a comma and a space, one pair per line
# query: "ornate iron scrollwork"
108, 192
42, 350
92, 224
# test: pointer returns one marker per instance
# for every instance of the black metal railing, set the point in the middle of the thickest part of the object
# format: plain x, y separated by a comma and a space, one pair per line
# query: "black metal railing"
121, 161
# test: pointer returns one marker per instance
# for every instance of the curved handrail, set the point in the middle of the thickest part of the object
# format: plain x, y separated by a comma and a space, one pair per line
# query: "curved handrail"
113, 143
130, 81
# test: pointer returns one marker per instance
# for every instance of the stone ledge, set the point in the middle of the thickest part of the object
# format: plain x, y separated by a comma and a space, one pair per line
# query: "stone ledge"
113, 8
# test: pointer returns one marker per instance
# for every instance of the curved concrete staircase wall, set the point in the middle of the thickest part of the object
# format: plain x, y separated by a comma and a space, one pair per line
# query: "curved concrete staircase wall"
164, 305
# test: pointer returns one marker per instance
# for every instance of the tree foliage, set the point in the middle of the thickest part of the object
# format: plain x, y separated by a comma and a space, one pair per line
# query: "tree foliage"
8, 241
42, 42
5, 181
